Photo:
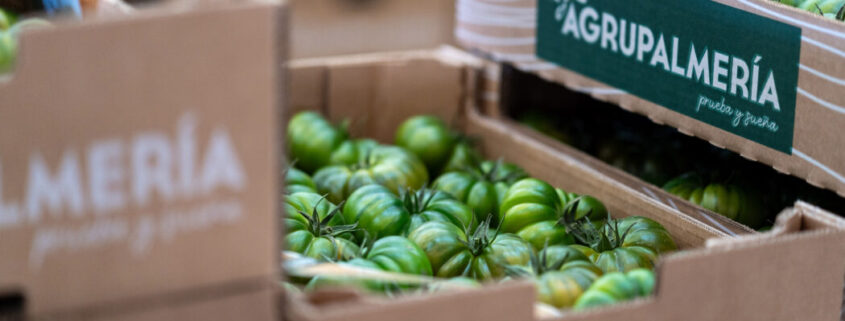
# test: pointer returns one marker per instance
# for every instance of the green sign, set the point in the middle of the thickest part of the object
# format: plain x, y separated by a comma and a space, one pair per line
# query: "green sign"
726, 67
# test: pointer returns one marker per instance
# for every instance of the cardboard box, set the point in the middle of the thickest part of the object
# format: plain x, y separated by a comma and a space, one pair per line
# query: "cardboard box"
322, 28
796, 132
793, 272
135, 153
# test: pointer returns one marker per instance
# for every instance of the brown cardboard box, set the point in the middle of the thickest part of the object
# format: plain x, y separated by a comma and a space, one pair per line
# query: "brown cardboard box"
506, 32
794, 272
340, 27
135, 153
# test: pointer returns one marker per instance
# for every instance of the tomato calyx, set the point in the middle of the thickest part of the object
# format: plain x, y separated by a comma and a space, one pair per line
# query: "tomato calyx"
495, 173
320, 227
480, 238
417, 201
601, 239
538, 265
364, 162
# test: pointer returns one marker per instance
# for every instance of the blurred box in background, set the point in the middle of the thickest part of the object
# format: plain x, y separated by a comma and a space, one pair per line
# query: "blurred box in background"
333, 27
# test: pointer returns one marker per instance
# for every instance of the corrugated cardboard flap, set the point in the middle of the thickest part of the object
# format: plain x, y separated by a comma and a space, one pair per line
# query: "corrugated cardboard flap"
128, 116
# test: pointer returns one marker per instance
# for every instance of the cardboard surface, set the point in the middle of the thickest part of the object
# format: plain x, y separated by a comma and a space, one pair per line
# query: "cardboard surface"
794, 272
260, 304
134, 154
506, 32
322, 28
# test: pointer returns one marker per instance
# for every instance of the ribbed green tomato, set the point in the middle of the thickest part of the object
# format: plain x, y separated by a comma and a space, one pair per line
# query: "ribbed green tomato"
314, 229
400, 255
463, 156
560, 273
616, 287
563, 287
390, 166
426, 205
626, 244
297, 181
587, 206
429, 138
390, 254
481, 256
482, 188
532, 210
539, 213
312, 139
377, 211
336, 281
352, 152
729, 200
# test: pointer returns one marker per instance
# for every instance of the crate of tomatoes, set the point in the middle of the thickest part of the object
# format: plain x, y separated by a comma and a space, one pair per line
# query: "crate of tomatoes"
402, 201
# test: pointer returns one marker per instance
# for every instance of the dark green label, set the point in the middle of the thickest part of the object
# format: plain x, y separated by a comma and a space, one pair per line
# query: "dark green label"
726, 67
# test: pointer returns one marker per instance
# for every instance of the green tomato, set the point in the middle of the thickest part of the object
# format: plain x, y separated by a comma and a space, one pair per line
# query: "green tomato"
483, 188
463, 157
752, 212
560, 273
617, 287
542, 123
729, 200
626, 244
8, 51
563, 287
7, 19
426, 205
456, 283
428, 138
400, 255
334, 281
480, 256
587, 205
390, 254
297, 181
716, 198
532, 210
352, 152
831, 6
793, 3
377, 211
541, 214
390, 166
312, 140
314, 230
684, 185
